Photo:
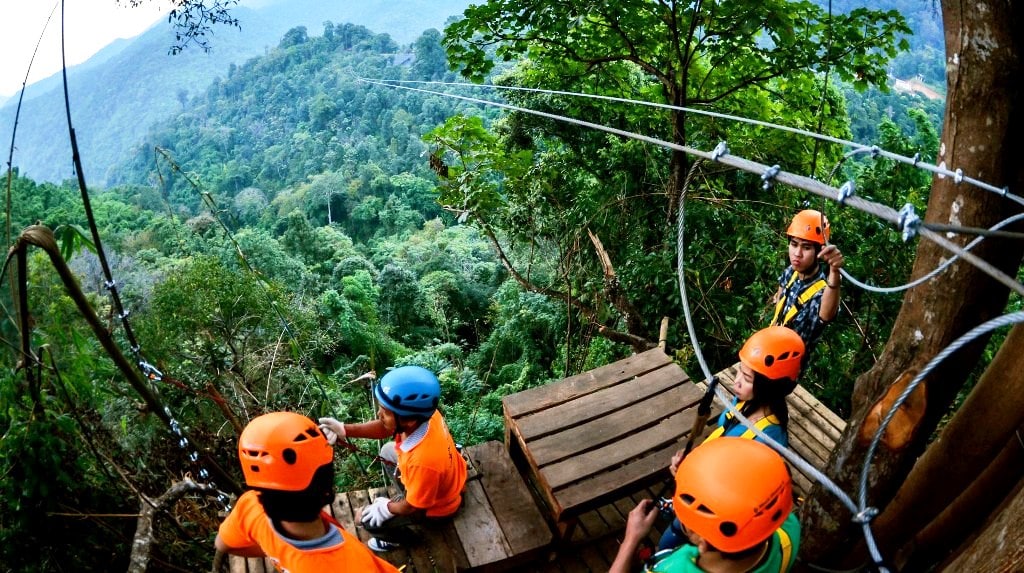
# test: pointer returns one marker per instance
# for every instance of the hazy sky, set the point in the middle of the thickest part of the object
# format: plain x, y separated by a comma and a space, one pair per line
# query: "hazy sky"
89, 25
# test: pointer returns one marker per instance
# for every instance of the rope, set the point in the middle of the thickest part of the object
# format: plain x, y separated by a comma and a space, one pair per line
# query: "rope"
148, 371
875, 151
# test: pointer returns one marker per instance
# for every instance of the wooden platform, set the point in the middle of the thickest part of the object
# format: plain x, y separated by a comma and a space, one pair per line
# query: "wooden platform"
497, 528
501, 526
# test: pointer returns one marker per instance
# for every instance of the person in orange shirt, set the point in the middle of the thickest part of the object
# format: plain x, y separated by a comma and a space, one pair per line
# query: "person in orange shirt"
430, 469
289, 467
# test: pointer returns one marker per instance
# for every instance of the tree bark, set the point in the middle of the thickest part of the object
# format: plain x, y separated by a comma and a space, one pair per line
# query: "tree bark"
999, 548
982, 135
968, 445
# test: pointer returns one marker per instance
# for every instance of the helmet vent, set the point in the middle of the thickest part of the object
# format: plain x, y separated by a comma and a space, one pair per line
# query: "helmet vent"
728, 528
289, 455
777, 516
769, 360
686, 498
254, 468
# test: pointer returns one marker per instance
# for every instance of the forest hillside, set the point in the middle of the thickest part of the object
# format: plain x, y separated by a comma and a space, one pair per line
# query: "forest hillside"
297, 223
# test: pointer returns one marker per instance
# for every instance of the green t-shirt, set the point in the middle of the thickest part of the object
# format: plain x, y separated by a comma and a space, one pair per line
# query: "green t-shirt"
684, 559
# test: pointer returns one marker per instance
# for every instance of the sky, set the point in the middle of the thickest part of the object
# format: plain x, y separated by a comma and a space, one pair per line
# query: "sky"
90, 25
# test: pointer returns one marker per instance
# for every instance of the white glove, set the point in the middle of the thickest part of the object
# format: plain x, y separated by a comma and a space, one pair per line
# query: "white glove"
332, 430
375, 514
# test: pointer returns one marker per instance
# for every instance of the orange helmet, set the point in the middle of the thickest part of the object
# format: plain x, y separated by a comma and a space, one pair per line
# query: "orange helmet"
810, 225
282, 451
733, 492
775, 351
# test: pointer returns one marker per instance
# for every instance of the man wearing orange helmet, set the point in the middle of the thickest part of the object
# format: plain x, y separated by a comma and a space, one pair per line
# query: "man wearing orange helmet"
289, 467
808, 296
734, 498
769, 366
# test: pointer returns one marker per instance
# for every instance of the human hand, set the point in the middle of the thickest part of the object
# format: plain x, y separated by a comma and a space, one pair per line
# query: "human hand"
332, 429
832, 257
677, 458
375, 514
641, 520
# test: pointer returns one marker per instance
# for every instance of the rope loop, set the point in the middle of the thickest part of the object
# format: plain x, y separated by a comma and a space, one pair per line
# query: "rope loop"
908, 222
865, 515
769, 176
846, 191
721, 149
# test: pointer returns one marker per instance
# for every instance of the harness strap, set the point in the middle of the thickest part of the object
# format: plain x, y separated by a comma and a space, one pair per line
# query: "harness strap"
786, 544
805, 295
749, 434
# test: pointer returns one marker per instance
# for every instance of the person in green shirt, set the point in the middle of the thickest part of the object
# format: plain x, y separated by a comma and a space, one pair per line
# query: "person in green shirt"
734, 499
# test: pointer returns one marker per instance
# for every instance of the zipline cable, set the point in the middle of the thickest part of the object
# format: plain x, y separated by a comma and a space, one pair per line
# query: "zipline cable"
904, 220
915, 161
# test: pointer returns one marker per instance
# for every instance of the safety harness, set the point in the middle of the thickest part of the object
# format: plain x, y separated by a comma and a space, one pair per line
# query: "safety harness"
805, 296
749, 434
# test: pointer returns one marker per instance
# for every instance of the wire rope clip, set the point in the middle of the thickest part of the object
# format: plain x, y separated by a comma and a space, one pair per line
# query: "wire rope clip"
908, 222
721, 149
769, 176
865, 515
110, 285
958, 176
846, 191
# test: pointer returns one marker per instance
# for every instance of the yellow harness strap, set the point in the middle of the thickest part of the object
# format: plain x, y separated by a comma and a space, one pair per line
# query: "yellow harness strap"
749, 434
806, 295
787, 549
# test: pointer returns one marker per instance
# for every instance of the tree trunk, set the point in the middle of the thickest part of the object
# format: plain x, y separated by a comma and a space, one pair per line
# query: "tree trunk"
967, 446
982, 135
999, 548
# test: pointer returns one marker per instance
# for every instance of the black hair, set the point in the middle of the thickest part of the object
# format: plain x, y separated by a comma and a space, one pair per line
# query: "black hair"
771, 393
302, 505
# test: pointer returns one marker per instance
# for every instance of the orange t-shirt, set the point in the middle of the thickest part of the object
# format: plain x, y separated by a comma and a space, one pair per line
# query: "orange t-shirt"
433, 471
248, 525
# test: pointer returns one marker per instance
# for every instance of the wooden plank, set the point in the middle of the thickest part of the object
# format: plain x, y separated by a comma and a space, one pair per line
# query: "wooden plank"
599, 460
600, 403
237, 564
445, 548
545, 396
815, 412
359, 499
582, 437
828, 415
517, 513
481, 537
804, 443
651, 468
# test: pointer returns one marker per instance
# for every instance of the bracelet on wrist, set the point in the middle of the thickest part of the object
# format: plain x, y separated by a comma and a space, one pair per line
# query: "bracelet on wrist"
832, 286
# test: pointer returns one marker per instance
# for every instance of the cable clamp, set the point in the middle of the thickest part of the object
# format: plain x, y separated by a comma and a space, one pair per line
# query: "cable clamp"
908, 222
846, 191
203, 474
958, 177
175, 427
150, 371
193, 456
721, 149
865, 515
1005, 190
769, 176
124, 314
875, 151
183, 443
110, 285
917, 159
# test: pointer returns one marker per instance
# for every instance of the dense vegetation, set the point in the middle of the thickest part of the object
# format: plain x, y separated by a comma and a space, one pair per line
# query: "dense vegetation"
287, 232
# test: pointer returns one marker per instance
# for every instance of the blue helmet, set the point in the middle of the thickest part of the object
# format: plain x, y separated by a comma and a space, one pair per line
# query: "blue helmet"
409, 391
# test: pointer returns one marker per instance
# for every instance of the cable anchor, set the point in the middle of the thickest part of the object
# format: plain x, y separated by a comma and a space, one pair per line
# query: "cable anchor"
908, 222
769, 176
846, 191
721, 149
